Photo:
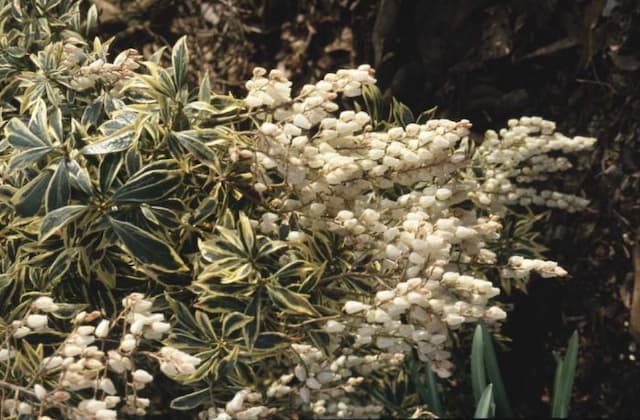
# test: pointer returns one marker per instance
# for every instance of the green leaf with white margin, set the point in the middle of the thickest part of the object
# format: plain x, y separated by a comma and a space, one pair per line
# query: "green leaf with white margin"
180, 61
59, 190
92, 21
290, 302
146, 248
247, 236
234, 322
204, 91
109, 168
148, 186
192, 400
194, 145
21, 137
116, 142
55, 121
58, 218
271, 341
80, 177
26, 158
38, 121
28, 199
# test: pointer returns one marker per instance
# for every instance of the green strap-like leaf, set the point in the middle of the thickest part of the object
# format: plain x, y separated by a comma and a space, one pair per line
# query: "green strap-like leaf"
59, 190
432, 392
478, 376
179, 61
503, 406
146, 248
59, 218
147, 186
563, 384
484, 408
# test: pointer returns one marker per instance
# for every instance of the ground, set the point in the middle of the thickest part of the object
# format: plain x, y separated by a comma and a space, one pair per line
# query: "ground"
575, 62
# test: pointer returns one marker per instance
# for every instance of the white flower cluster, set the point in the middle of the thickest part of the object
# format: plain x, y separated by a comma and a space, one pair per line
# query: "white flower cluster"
86, 75
524, 153
317, 386
520, 267
275, 90
427, 247
83, 362
245, 405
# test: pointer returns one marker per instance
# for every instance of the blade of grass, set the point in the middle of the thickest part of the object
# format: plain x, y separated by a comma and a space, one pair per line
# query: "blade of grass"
495, 377
433, 398
565, 375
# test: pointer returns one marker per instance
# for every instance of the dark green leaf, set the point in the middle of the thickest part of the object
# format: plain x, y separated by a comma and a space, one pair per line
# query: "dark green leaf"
146, 248
28, 199
433, 398
92, 113
117, 142
179, 61
29, 156
563, 384
147, 186
132, 161
271, 341
58, 218
233, 322
109, 168
59, 190
21, 137
254, 309
503, 406
38, 121
290, 302
80, 177
61, 265
190, 141
220, 304
205, 326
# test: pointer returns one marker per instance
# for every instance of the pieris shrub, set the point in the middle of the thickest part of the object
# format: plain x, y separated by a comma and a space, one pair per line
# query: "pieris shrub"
286, 252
